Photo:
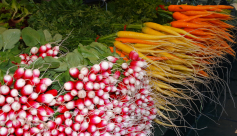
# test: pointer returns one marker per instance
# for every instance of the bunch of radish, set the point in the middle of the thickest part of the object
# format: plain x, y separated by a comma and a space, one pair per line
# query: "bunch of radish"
100, 101
42, 51
25, 102
103, 101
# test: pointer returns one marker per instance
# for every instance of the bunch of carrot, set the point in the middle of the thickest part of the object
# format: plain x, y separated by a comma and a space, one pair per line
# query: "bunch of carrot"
207, 23
169, 65
180, 56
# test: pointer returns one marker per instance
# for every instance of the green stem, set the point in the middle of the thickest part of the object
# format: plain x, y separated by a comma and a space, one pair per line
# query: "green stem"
107, 37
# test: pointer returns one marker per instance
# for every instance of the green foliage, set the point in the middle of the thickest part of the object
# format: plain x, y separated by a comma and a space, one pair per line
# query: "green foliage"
60, 16
13, 13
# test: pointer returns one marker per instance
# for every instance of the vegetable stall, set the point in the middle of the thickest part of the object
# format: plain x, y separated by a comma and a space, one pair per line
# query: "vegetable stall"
67, 68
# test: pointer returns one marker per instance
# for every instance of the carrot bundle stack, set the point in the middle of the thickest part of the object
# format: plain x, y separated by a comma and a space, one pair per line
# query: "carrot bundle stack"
207, 23
170, 65
180, 56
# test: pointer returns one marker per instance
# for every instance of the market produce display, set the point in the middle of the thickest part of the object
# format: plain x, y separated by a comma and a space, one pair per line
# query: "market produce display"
134, 76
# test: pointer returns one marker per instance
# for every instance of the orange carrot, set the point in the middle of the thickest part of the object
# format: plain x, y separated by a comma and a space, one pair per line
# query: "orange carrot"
119, 52
194, 13
197, 31
159, 58
190, 8
131, 40
192, 17
179, 16
217, 6
180, 24
203, 73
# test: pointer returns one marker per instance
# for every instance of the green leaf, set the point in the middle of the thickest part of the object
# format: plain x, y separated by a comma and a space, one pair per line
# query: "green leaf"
10, 38
74, 59
2, 29
30, 36
57, 38
1, 42
48, 36
42, 37
50, 59
63, 67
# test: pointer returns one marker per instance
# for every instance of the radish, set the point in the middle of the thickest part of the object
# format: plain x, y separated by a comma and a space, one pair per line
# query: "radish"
68, 122
62, 109
16, 106
3, 116
74, 72
87, 102
45, 98
46, 81
8, 80
95, 69
3, 131
79, 85
28, 74
84, 71
68, 130
74, 92
19, 73
54, 132
19, 83
9, 99
95, 119
49, 53
54, 92
92, 77
104, 65
69, 85
6, 108
40, 88
81, 76
32, 104
43, 55
76, 126
56, 48
88, 86
84, 126
99, 77
27, 90
80, 104
23, 99
55, 53
59, 119
112, 59
34, 50
67, 115
79, 118
49, 110
51, 124
33, 111
48, 46
91, 94
91, 128
70, 105
33, 96
42, 49
81, 94
4, 90
68, 97
33, 81
23, 62
36, 73
13, 93
34, 130
84, 111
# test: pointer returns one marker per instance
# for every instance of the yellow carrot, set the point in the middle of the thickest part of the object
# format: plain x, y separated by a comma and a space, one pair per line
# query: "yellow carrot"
136, 35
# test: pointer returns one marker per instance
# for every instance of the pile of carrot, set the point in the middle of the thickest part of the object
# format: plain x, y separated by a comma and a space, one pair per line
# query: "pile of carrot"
180, 56
208, 24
